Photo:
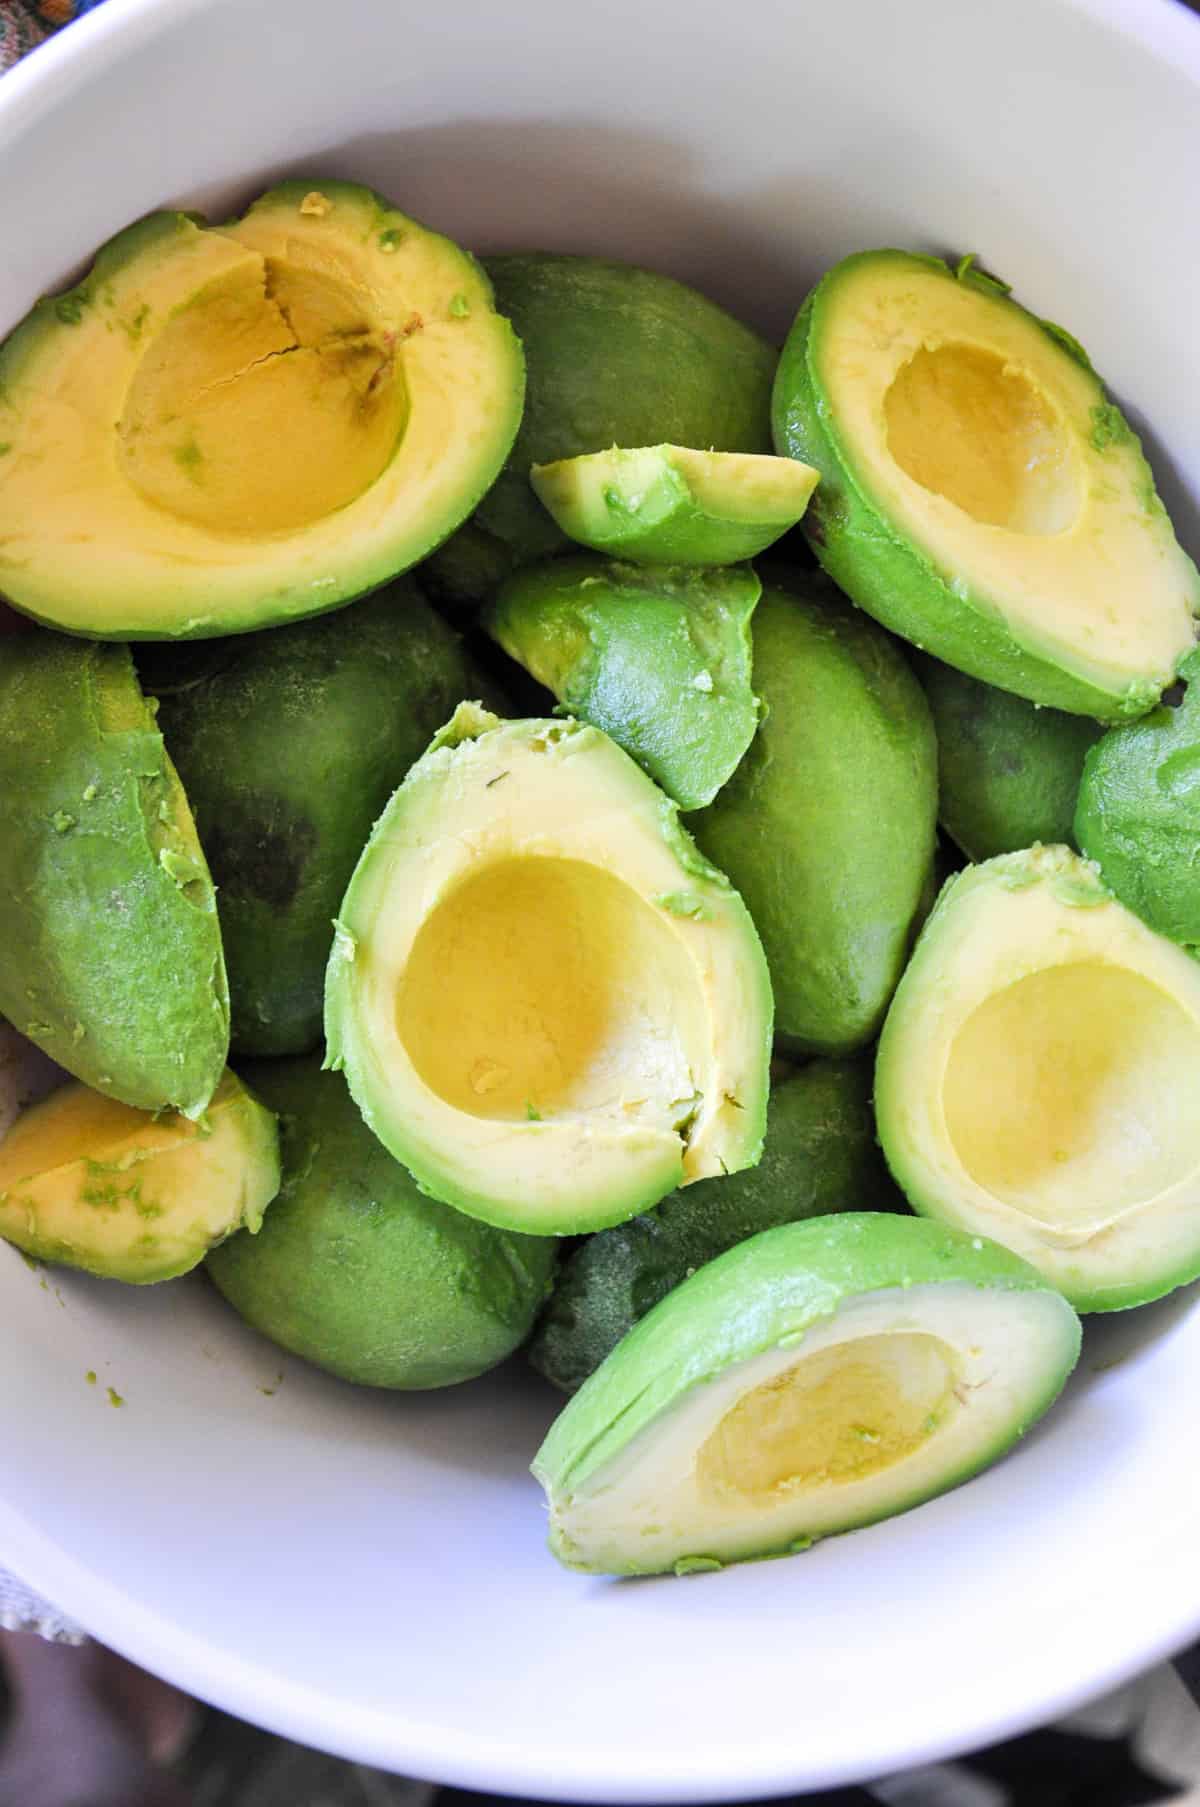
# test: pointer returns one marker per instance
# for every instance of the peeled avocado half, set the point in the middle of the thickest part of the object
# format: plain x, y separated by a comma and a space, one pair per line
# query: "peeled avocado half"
132, 1195
819, 1377
548, 1006
1037, 1079
224, 427
979, 492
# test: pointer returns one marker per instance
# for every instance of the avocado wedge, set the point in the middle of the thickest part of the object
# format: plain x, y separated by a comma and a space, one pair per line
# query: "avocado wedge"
668, 504
548, 1006
224, 427
1037, 1078
132, 1195
819, 1377
980, 494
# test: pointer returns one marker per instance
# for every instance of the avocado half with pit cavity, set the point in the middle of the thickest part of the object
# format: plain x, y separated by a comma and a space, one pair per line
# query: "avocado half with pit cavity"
1037, 1079
220, 428
547, 1004
819, 1377
979, 493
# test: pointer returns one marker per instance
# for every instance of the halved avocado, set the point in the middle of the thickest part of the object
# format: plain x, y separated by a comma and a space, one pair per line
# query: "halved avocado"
1008, 772
819, 1377
820, 1156
1138, 812
221, 428
357, 1271
658, 657
1037, 1079
546, 1003
980, 494
131, 1195
670, 505
110, 953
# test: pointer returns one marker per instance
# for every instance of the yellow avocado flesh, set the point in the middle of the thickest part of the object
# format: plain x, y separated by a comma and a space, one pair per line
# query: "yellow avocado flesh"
223, 427
983, 444
130, 1194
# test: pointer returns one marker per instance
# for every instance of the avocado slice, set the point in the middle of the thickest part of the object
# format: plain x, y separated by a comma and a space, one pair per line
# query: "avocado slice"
1037, 1078
134, 1195
827, 826
1008, 772
221, 428
546, 1003
658, 657
110, 958
1138, 812
359, 1272
820, 1156
618, 356
288, 751
980, 494
668, 504
819, 1377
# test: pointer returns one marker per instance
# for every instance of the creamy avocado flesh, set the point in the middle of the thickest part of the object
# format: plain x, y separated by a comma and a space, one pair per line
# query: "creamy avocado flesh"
547, 1004
1037, 1078
979, 493
224, 427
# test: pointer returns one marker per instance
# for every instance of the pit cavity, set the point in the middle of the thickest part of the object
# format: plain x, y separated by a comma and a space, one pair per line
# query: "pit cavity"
543, 988
967, 426
268, 402
838, 1416
1071, 1094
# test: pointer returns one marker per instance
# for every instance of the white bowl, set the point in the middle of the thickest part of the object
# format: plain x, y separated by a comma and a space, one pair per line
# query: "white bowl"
366, 1572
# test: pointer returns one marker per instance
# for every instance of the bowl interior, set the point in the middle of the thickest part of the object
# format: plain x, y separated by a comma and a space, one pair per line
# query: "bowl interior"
366, 1572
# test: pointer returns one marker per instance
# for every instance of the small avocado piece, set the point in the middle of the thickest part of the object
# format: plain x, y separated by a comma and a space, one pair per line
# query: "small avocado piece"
221, 428
618, 356
357, 1270
980, 494
827, 827
820, 1156
288, 751
1037, 1078
670, 505
1008, 772
135, 1195
110, 959
1138, 813
546, 1003
659, 657
822, 1376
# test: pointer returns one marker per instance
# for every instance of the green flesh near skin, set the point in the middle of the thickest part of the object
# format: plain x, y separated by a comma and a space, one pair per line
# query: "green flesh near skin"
659, 658
667, 504
820, 1156
357, 1270
111, 956
133, 1196
979, 493
819, 1377
609, 996
827, 826
1037, 1076
289, 751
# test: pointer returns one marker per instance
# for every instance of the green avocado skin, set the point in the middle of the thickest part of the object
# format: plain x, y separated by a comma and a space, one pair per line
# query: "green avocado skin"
617, 356
659, 657
1138, 813
289, 750
358, 1271
110, 956
827, 827
1008, 772
879, 568
820, 1157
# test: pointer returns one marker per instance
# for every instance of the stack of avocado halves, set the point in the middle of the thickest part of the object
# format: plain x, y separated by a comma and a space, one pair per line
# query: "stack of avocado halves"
436, 707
